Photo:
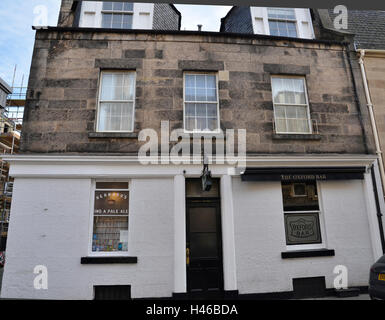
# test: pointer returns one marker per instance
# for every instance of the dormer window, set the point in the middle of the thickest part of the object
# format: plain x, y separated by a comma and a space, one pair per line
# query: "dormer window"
282, 22
117, 15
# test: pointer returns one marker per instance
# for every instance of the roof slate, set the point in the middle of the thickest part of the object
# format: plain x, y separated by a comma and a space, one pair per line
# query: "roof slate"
368, 27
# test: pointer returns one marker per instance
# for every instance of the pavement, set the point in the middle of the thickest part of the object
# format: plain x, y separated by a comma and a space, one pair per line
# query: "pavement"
360, 297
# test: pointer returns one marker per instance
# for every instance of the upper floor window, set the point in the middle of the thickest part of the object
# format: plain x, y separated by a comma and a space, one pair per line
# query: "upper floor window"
282, 22
291, 108
201, 106
117, 15
116, 102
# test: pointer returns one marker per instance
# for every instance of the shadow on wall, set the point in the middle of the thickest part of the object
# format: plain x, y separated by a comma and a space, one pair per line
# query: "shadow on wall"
1, 277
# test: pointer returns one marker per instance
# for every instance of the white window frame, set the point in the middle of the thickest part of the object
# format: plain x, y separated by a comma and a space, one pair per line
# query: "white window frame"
91, 221
284, 104
321, 218
295, 21
118, 101
123, 12
218, 130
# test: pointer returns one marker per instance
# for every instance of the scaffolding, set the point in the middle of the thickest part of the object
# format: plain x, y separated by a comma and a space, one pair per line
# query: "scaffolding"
9, 144
11, 119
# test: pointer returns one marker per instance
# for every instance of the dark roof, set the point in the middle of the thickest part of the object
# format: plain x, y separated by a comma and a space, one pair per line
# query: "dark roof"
4, 86
368, 27
178, 13
224, 19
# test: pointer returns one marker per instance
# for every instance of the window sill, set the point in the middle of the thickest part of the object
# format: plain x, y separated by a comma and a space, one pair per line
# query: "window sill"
108, 260
115, 135
294, 136
308, 253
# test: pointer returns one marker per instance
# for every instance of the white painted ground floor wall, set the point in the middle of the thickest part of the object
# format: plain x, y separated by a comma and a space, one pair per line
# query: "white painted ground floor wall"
50, 225
260, 236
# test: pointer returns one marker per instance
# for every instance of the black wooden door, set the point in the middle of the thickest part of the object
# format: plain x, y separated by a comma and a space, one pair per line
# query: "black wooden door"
204, 247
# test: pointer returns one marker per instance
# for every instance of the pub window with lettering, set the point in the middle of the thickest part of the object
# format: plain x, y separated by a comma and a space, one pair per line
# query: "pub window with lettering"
110, 217
301, 212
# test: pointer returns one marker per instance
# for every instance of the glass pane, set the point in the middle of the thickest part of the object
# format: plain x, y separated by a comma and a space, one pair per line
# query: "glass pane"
301, 112
116, 116
118, 6
107, 5
118, 86
302, 228
211, 110
211, 95
303, 126
279, 111
106, 20
190, 124
194, 189
292, 125
281, 13
111, 202
190, 81
190, 110
213, 124
278, 90
200, 95
298, 88
300, 201
107, 85
280, 125
203, 220
273, 26
127, 21
128, 6
288, 90
117, 20
292, 30
110, 234
190, 94
129, 86
111, 185
291, 112
203, 245
200, 110
200, 81
201, 124
211, 82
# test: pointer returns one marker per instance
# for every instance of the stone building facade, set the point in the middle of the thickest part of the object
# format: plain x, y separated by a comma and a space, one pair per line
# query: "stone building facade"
303, 202
63, 94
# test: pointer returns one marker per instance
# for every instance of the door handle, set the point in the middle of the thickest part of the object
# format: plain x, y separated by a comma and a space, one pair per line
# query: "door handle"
188, 256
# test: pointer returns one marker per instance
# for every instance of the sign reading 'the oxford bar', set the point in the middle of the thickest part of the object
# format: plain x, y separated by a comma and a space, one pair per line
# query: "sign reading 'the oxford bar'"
303, 177
303, 174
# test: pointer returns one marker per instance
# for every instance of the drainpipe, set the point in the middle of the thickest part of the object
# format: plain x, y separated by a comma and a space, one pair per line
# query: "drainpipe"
372, 119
